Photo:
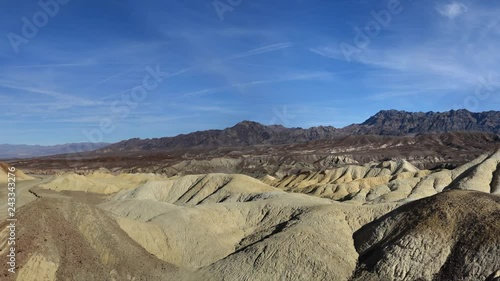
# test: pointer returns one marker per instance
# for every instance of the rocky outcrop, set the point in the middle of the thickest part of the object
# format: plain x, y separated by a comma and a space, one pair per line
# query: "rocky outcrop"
449, 236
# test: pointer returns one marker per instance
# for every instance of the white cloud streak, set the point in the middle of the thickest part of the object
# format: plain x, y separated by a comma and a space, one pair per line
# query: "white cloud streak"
288, 78
51, 65
59, 96
452, 10
453, 60
262, 50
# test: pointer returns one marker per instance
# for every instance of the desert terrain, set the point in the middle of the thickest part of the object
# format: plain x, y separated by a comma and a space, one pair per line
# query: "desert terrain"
354, 207
250, 140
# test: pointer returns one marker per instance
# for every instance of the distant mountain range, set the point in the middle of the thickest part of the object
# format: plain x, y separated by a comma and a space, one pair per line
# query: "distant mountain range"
242, 134
248, 133
9, 151
384, 123
398, 123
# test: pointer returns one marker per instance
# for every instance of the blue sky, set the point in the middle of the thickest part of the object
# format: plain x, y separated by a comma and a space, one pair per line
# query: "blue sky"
296, 63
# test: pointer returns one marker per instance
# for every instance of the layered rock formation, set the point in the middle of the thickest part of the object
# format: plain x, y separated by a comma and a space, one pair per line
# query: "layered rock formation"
398, 223
393, 181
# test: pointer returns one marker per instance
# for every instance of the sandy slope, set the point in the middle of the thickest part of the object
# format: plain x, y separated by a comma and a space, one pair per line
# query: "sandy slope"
4, 170
64, 239
263, 235
99, 182
234, 227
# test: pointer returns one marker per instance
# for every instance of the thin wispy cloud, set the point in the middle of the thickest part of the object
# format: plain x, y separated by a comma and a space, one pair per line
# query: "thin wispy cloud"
214, 108
51, 65
288, 78
330, 52
165, 77
271, 54
144, 119
452, 10
109, 78
424, 93
453, 61
59, 96
261, 50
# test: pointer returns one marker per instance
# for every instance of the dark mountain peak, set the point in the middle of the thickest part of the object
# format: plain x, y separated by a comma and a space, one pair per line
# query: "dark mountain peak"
390, 111
248, 124
382, 115
396, 122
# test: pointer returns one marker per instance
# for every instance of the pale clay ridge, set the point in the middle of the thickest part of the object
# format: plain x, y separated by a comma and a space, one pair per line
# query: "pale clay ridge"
99, 182
199, 236
194, 189
485, 176
267, 238
4, 171
393, 181
233, 227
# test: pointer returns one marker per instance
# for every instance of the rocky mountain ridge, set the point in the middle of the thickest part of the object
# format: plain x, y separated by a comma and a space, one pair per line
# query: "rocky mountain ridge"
393, 122
384, 123
245, 133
